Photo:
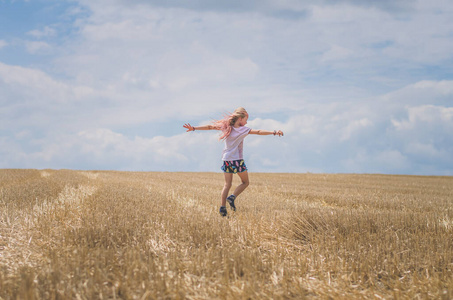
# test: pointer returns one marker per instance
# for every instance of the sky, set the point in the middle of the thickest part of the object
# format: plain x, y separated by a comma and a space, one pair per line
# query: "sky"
356, 86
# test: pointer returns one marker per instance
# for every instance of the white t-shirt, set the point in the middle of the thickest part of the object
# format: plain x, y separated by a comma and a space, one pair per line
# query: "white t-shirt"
234, 144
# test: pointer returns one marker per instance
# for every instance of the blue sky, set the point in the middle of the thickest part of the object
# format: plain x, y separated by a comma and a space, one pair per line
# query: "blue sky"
357, 86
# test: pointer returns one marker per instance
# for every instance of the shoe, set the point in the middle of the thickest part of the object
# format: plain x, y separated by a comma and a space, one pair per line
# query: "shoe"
231, 201
223, 211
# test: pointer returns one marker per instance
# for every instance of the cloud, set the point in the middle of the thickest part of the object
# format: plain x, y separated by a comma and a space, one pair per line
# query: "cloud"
28, 81
386, 5
424, 92
424, 134
391, 133
336, 53
33, 99
3, 44
333, 48
101, 148
421, 116
289, 9
47, 31
405, 131
35, 47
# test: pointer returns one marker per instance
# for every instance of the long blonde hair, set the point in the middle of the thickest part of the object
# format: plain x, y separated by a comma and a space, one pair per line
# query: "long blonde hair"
227, 123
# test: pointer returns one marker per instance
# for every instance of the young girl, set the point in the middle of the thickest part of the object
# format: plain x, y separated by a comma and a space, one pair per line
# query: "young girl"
233, 133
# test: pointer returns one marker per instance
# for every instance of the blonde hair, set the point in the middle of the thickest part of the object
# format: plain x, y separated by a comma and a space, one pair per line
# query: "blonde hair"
227, 123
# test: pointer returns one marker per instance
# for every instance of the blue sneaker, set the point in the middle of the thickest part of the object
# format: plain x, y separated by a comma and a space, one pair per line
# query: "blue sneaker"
223, 211
231, 202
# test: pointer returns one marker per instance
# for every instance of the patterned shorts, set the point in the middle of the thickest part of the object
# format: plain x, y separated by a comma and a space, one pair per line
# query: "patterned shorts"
235, 166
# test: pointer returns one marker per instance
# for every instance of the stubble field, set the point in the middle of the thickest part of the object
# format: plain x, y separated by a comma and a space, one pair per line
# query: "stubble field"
126, 235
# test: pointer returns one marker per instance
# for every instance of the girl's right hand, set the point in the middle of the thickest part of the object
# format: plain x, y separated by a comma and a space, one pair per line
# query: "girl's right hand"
189, 127
279, 133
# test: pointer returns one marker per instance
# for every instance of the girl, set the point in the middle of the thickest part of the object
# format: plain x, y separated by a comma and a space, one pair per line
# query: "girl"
233, 133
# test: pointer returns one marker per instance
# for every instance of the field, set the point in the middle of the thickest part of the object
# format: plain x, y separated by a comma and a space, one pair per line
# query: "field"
134, 235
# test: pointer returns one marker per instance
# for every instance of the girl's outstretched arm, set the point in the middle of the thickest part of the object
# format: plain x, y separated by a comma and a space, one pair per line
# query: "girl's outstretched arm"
266, 132
204, 127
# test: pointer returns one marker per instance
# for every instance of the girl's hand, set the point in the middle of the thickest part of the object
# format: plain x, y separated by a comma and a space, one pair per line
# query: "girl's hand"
279, 133
189, 127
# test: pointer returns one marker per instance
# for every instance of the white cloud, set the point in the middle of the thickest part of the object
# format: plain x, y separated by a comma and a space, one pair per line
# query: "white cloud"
35, 47
353, 127
225, 49
378, 37
427, 115
392, 161
27, 77
426, 151
3, 44
105, 149
336, 53
47, 31
350, 137
444, 87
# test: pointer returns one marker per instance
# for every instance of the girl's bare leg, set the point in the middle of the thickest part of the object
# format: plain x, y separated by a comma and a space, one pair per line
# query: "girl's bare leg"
226, 187
245, 183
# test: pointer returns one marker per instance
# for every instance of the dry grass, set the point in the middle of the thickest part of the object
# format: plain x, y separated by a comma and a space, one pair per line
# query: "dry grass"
123, 235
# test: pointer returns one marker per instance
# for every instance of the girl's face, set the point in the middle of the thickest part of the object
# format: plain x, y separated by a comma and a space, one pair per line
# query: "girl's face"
244, 121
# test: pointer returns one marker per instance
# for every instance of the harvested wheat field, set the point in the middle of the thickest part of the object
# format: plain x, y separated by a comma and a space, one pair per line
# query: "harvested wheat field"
136, 235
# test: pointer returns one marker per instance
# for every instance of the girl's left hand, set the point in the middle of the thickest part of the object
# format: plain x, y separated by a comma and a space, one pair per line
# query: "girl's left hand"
189, 127
279, 133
